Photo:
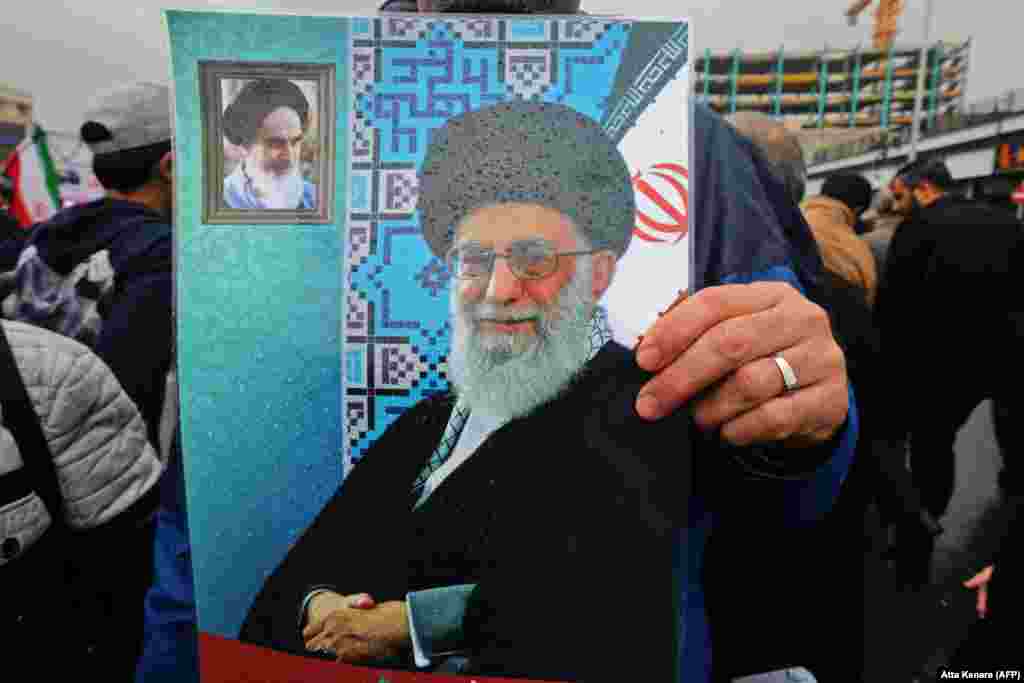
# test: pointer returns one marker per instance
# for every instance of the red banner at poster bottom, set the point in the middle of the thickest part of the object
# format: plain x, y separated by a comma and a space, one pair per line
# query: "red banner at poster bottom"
223, 660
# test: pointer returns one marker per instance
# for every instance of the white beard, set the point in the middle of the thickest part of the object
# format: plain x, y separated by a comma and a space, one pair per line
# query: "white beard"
509, 375
277, 191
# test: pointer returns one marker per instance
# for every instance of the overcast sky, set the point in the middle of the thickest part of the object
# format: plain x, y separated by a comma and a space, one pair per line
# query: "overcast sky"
61, 52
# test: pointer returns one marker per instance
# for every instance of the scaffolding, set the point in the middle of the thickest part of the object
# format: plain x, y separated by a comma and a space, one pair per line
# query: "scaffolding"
858, 89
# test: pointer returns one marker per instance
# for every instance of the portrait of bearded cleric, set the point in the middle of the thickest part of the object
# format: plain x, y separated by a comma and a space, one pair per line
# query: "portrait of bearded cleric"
268, 145
531, 206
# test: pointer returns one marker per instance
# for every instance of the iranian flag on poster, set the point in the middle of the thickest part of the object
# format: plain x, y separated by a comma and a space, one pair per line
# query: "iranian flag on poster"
35, 180
656, 266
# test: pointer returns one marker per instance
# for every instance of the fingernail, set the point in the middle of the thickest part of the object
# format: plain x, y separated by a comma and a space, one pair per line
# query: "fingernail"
649, 356
648, 406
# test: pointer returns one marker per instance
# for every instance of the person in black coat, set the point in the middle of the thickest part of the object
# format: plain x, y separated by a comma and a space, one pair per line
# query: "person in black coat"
952, 323
951, 320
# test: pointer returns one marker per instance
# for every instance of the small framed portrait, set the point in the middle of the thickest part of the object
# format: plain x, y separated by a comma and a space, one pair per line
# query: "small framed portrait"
268, 147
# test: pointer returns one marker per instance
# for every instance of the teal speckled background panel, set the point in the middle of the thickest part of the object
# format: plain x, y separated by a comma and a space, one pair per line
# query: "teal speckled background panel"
259, 333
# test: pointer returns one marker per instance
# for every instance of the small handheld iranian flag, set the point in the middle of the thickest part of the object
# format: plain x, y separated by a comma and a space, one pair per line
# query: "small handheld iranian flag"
36, 183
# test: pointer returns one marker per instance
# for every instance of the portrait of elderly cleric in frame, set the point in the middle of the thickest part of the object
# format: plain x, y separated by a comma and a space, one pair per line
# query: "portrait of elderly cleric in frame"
268, 142
483, 531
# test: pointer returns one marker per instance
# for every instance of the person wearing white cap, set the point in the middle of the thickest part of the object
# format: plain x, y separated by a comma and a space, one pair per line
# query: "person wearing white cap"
129, 325
129, 130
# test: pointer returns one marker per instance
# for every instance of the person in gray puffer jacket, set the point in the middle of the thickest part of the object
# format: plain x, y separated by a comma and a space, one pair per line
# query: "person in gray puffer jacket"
63, 594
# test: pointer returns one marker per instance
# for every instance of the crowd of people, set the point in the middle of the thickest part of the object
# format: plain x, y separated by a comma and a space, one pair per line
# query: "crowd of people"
916, 277
811, 376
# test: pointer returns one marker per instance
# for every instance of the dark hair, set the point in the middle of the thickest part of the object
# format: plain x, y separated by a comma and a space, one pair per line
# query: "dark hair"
488, 6
244, 116
933, 171
129, 169
851, 189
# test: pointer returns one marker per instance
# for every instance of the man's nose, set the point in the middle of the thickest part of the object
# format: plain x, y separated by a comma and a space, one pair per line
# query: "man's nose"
504, 285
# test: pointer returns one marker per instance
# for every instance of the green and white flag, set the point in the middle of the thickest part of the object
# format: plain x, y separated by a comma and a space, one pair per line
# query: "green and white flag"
35, 179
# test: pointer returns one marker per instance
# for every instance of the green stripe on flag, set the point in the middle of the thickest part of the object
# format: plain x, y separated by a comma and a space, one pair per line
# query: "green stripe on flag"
52, 179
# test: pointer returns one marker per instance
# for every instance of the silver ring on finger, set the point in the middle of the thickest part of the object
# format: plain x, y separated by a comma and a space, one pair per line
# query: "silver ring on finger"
788, 374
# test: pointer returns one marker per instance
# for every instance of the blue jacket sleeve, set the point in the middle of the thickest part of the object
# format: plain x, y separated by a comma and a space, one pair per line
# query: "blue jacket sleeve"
747, 228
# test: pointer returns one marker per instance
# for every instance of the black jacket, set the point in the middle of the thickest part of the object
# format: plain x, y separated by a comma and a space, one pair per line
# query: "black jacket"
952, 290
563, 518
138, 335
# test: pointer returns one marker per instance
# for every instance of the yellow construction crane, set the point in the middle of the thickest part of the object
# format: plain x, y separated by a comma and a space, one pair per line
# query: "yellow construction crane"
887, 16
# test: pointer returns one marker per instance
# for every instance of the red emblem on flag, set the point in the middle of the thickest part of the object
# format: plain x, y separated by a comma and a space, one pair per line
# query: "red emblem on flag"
662, 203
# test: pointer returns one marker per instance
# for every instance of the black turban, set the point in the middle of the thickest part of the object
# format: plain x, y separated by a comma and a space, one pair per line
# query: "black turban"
528, 152
257, 99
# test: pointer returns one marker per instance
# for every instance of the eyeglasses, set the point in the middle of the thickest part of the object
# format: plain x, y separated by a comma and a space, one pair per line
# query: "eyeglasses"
528, 260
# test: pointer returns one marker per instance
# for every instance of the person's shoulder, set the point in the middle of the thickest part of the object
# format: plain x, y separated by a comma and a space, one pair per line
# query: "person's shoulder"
991, 214
821, 211
24, 336
952, 219
950, 209
46, 358
94, 431
146, 253
715, 140
820, 201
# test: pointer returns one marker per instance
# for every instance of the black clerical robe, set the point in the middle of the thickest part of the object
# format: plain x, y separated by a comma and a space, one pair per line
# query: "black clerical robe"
566, 520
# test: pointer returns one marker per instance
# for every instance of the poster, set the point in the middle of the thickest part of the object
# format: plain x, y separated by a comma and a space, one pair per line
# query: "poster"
311, 318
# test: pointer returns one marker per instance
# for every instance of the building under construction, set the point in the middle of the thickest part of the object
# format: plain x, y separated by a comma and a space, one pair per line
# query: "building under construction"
875, 89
